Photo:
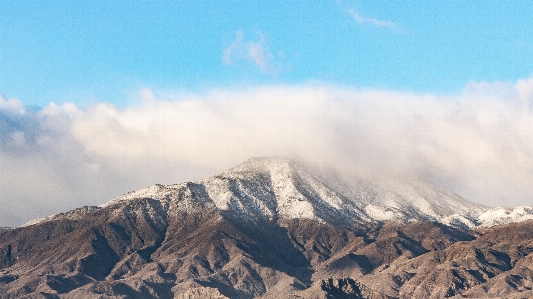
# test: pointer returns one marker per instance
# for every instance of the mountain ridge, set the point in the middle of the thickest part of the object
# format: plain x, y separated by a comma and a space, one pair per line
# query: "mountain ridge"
270, 229
273, 188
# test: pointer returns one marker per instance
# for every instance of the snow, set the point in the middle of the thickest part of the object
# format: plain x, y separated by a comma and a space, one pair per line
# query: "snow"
155, 191
276, 188
36, 221
382, 213
75, 214
501, 215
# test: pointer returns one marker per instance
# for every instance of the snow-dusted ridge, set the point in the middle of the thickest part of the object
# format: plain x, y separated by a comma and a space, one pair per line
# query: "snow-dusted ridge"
277, 188
502, 215
75, 214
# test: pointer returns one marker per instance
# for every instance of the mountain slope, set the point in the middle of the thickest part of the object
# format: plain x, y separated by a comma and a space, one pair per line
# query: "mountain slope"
268, 228
276, 188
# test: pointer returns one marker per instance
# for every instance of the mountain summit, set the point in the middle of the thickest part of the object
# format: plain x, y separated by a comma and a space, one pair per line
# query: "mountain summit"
269, 228
277, 188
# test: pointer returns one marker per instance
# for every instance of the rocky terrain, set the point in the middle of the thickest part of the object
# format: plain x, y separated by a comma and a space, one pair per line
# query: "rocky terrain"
271, 229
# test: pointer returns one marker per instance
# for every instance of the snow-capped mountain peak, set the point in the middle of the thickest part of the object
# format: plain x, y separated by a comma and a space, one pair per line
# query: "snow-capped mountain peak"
273, 188
277, 188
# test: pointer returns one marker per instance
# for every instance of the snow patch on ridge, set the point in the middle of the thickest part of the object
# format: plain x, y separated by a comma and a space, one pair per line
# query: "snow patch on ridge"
156, 191
75, 214
382, 213
502, 215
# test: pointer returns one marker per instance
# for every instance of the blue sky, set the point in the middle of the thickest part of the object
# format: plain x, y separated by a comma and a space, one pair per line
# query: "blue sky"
88, 51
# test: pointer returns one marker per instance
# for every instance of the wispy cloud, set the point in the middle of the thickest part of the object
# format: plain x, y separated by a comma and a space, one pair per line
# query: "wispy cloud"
236, 46
363, 20
256, 52
63, 157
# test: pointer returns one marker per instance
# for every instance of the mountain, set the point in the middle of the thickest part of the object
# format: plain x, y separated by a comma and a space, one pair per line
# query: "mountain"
269, 189
270, 228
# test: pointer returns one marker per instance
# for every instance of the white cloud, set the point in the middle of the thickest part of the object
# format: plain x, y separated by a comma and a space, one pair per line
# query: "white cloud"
524, 89
256, 52
375, 22
478, 143
11, 105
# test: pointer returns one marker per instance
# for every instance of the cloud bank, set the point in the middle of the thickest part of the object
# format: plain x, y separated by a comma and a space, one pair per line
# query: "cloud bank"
478, 143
